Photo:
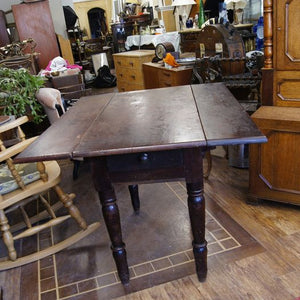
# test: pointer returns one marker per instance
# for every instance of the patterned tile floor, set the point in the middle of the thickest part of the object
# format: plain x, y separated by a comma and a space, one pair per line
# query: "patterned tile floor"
219, 240
158, 243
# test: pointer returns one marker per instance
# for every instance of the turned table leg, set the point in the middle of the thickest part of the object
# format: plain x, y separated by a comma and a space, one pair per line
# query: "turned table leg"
111, 216
196, 203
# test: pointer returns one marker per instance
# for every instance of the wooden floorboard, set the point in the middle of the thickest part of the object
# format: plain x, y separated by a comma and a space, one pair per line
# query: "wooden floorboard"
266, 266
272, 274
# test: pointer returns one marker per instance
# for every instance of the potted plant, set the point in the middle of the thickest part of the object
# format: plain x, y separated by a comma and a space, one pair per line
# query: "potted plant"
17, 94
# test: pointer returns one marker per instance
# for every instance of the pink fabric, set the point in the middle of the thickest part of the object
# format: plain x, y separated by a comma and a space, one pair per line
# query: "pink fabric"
67, 65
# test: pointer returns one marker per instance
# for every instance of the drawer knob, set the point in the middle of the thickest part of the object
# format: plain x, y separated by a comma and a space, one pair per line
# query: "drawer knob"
143, 157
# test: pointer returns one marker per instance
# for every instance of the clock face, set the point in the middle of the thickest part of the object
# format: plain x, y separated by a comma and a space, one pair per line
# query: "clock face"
160, 51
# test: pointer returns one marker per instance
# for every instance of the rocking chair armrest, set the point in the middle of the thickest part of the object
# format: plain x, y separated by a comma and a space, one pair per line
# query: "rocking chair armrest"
16, 149
13, 124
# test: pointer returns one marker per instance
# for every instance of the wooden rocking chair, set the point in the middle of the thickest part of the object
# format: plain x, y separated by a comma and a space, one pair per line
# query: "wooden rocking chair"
24, 183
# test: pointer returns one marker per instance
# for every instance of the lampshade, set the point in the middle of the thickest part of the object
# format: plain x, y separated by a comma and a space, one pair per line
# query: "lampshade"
183, 2
235, 4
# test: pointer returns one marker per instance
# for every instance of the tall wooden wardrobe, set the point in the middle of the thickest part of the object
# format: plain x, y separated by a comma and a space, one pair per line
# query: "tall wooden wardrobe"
275, 166
33, 20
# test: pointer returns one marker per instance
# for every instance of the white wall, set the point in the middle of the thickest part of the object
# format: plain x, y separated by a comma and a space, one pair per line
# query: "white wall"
67, 3
58, 17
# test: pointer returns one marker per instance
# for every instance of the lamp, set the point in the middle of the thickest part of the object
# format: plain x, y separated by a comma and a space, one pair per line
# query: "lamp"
237, 6
183, 3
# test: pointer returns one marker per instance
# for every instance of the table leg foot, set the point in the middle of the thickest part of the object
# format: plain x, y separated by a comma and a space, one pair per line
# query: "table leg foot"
120, 257
200, 254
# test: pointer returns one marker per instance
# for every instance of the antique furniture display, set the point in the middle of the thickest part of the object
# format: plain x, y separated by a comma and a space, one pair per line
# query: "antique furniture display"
275, 165
274, 168
33, 20
221, 57
129, 70
147, 136
156, 75
22, 184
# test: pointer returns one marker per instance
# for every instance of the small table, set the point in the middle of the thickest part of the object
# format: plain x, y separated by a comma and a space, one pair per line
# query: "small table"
148, 136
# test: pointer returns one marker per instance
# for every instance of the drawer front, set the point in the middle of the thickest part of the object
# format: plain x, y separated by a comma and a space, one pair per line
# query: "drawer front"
130, 75
127, 62
165, 78
145, 161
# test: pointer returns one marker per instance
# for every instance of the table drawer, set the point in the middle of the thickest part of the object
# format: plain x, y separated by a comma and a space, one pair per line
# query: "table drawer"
145, 161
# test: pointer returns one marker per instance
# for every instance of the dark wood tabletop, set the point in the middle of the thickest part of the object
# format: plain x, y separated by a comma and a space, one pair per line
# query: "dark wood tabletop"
149, 120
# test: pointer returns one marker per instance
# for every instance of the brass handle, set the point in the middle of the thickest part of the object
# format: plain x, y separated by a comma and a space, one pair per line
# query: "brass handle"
133, 76
119, 63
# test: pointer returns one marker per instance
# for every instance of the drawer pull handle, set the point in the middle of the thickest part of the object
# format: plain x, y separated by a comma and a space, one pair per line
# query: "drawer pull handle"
121, 75
131, 63
167, 84
133, 76
119, 63
143, 157
166, 74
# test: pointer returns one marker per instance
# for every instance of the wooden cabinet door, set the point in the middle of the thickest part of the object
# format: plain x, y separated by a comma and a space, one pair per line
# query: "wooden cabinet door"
287, 34
34, 20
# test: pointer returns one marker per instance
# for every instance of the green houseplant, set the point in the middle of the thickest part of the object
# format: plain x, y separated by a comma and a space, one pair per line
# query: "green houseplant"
17, 94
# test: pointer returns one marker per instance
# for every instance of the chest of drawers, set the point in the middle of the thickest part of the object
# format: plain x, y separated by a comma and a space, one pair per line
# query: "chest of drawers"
129, 70
157, 76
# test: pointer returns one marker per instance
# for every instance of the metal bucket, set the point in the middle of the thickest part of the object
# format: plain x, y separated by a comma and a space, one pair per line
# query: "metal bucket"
238, 156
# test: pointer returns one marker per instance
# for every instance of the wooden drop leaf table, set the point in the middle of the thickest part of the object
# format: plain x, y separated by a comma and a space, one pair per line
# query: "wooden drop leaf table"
148, 136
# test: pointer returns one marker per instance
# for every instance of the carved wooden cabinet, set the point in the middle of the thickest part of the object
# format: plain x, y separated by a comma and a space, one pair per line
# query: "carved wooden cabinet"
275, 165
282, 44
157, 76
188, 39
129, 70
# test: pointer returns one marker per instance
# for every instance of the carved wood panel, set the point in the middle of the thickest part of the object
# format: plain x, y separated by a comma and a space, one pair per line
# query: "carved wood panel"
272, 157
287, 88
288, 35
